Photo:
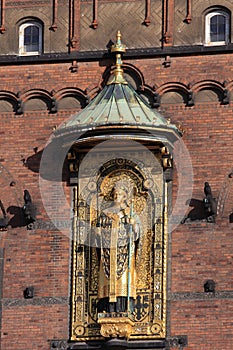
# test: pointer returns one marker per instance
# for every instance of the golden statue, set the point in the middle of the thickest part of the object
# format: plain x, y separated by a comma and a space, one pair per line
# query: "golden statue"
117, 234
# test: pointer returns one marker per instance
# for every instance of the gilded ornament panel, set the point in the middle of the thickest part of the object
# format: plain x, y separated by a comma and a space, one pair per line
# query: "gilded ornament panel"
143, 218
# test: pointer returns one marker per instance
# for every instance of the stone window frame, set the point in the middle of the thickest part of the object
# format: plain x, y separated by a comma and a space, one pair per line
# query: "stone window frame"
22, 28
208, 16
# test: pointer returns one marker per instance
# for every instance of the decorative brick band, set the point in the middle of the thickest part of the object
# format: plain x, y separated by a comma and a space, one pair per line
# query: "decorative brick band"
200, 295
8, 303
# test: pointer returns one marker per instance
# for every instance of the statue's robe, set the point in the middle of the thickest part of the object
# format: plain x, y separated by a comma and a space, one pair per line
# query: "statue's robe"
118, 245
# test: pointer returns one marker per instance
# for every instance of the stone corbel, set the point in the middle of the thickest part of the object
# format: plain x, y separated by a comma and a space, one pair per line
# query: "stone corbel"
19, 107
58, 344
179, 341
53, 106
74, 67
156, 100
225, 97
167, 62
190, 99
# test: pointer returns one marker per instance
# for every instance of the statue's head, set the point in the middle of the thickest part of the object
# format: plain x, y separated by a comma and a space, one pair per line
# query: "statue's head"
122, 192
120, 195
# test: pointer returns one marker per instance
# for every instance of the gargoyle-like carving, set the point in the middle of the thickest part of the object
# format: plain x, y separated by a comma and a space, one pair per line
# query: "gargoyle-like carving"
209, 204
203, 210
209, 286
28, 209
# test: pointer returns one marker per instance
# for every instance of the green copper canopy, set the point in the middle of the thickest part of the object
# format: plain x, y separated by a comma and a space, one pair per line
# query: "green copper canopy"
118, 105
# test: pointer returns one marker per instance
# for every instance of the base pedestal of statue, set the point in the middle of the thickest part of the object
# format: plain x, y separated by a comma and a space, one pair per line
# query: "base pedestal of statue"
119, 344
115, 325
116, 328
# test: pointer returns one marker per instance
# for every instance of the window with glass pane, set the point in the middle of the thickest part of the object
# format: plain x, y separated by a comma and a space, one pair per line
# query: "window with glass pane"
218, 28
31, 38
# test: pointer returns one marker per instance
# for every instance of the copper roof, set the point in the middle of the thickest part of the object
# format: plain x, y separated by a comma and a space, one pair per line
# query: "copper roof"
118, 104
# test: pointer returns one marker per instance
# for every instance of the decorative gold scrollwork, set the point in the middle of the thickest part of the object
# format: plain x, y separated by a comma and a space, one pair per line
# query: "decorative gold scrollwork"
116, 327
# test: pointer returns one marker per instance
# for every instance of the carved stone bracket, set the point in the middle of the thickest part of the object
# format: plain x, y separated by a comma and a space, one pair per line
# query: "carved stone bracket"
225, 97
190, 99
179, 341
58, 344
115, 327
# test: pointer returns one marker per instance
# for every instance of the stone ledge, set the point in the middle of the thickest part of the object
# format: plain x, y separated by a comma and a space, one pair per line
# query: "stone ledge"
8, 302
200, 295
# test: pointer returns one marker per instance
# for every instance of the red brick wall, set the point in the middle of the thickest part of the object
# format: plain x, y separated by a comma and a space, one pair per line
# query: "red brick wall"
41, 257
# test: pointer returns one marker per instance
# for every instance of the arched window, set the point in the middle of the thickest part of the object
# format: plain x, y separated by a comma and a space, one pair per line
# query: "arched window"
217, 28
30, 38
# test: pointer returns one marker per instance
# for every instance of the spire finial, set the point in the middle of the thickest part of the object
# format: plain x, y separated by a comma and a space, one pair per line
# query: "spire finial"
117, 74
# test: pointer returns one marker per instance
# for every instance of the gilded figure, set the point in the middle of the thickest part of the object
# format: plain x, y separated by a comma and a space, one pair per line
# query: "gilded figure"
117, 234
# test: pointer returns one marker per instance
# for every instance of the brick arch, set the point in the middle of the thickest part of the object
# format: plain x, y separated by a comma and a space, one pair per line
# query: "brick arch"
208, 91
215, 8
36, 99
150, 95
8, 101
71, 98
174, 93
134, 75
207, 84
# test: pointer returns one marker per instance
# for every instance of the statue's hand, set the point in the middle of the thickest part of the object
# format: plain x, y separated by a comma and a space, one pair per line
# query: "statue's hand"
114, 217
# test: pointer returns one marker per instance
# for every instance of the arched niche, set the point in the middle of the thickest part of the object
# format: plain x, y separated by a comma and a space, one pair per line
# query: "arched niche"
141, 175
173, 97
6, 105
69, 102
208, 95
35, 104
